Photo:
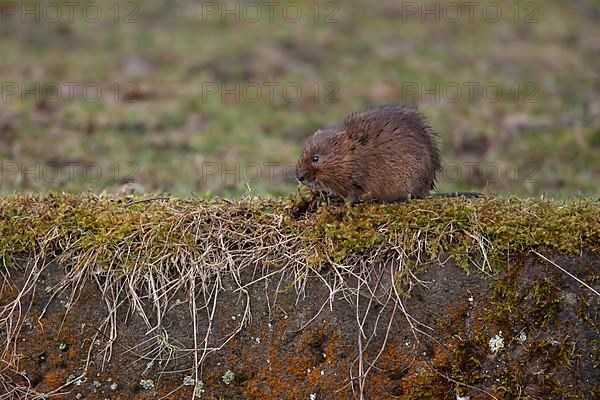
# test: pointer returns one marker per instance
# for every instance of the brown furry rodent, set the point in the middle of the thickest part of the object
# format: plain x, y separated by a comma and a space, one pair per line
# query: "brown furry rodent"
386, 154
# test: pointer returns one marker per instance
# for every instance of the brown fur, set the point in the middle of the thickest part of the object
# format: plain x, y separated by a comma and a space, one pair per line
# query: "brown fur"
385, 154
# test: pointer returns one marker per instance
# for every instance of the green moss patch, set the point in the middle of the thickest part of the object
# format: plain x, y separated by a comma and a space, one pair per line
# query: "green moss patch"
146, 233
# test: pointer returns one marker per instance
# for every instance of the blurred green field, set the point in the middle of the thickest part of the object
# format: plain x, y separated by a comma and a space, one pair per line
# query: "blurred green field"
159, 126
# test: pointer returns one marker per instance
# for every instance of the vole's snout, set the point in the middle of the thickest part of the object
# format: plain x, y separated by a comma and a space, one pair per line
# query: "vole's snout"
300, 176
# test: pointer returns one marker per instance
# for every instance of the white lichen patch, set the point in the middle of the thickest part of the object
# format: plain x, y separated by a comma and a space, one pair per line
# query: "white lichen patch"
228, 377
199, 390
189, 380
72, 379
496, 343
147, 384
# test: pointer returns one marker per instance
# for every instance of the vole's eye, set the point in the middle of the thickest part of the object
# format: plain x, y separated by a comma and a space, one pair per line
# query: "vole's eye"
315, 158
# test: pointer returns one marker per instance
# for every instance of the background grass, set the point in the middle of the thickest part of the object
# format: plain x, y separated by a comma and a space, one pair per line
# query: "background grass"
156, 127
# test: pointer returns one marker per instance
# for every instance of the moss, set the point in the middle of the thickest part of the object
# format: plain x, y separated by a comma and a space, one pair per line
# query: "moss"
511, 386
504, 307
430, 228
127, 236
546, 302
459, 227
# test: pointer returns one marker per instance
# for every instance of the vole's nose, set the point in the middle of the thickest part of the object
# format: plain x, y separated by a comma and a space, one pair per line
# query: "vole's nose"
300, 177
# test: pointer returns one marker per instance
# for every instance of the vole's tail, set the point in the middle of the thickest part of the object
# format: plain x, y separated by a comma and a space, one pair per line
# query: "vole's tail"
458, 194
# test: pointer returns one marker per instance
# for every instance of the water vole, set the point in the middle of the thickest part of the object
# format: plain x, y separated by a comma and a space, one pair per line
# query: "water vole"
387, 153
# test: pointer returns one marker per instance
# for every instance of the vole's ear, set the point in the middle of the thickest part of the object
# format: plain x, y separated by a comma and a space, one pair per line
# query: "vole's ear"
357, 126
339, 136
